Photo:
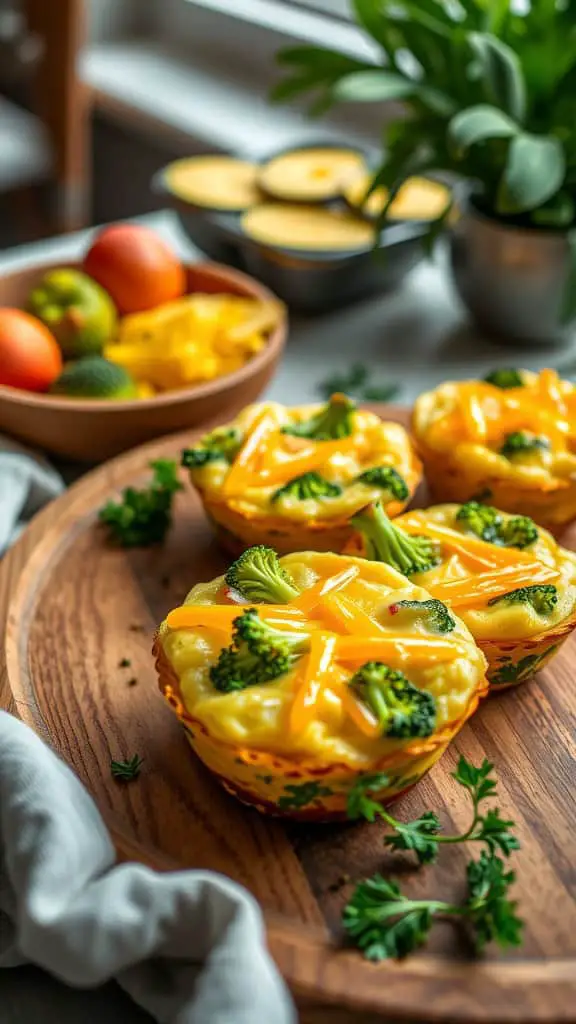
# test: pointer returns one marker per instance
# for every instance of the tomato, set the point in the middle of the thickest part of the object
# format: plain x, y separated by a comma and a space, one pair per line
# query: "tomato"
136, 267
29, 354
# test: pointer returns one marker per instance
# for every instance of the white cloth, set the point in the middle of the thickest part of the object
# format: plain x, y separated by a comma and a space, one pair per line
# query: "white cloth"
188, 947
27, 482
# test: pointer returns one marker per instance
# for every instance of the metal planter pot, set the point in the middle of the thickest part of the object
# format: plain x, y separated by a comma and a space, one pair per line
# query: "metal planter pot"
511, 279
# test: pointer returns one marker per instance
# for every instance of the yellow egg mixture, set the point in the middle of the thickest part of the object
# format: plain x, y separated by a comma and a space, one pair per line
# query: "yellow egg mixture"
330, 727
492, 571
470, 421
248, 488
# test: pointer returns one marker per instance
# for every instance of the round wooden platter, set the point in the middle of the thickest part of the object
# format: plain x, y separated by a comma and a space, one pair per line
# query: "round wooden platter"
76, 607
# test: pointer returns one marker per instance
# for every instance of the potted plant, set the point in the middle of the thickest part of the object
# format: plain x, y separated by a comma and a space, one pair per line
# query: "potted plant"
488, 93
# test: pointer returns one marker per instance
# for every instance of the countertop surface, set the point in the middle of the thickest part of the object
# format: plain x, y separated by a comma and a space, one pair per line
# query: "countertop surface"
416, 338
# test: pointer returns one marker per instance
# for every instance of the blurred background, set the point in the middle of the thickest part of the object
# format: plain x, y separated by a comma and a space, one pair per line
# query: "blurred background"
96, 95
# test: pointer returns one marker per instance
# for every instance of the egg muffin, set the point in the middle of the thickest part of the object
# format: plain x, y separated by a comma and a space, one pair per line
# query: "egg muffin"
292, 477
508, 580
508, 439
292, 679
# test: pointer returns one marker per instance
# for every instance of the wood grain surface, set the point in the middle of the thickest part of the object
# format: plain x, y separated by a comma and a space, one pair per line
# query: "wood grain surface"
75, 607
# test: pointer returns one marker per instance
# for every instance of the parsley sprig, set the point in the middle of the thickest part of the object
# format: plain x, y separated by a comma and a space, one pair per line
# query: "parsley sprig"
385, 924
144, 516
422, 836
357, 383
126, 771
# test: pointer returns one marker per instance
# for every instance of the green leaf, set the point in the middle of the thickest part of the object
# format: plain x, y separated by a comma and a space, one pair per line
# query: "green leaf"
502, 73
535, 169
558, 213
569, 300
476, 124
373, 86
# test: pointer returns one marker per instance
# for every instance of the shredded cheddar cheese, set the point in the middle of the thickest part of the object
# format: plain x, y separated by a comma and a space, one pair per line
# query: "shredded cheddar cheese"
480, 554
318, 664
417, 649
242, 468
479, 589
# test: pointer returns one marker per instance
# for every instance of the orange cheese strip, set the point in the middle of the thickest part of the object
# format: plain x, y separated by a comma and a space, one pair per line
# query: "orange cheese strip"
420, 650
318, 664
484, 554
311, 458
473, 415
215, 616
356, 710
309, 599
550, 390
346, 615
478, 589
241, 469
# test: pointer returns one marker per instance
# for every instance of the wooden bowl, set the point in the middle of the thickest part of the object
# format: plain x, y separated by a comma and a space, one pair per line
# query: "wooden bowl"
91, 430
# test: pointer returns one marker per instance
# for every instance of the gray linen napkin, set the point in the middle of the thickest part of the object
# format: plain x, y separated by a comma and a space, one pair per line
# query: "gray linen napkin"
188, 947
27, 482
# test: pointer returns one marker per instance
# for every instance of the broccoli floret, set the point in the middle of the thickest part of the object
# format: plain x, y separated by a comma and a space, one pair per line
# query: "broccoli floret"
401, 708
385, 542
505, 378
309, 485
482, 520
257, 654
388, 479
543, 597
222, 445
333, 421
258, 577
433, 611
518, 532
521, 442
487, 523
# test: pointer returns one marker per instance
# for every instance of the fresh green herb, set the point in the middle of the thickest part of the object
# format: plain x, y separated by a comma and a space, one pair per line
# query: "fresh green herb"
521, 442
144, 516
386, 542
356, 384
402, 710
542, 598
334, 421
505, 378
385, 924
422, 835
221, 445
126, 771
257, 654
433, 612
124, 663
258, 577
301, 795
308, 485
388, 479
489, 524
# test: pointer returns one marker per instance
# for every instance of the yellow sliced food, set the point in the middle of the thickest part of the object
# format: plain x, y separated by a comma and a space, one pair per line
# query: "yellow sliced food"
310, 228
309, 175
313, 457
342, 614
241, 471
214, 182
221, 616
418, 649
317, 670
309, 599
478, 589
473, 549
417, 199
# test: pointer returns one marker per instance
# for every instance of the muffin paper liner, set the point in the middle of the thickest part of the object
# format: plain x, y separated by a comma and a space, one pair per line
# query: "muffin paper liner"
511, 662
302, 789
449, 480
